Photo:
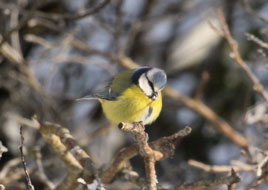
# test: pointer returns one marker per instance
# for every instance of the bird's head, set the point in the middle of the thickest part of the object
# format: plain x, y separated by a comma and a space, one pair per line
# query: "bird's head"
150, 80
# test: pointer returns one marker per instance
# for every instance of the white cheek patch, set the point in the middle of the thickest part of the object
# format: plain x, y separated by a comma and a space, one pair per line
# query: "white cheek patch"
145, 86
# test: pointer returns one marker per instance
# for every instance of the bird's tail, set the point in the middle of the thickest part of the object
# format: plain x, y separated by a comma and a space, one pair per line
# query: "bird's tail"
87, 98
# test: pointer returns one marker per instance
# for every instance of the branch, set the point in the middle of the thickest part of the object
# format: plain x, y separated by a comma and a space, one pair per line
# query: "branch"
236, 56
165, 145
227, 180
249, 10
76, 159
41, 173
258, 41
30, 185
210, 115
3, 149
219, 169
149, 155
74, 168
76, 16
2, 187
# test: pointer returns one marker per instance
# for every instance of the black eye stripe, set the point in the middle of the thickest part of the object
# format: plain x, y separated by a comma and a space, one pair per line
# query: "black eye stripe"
150, 83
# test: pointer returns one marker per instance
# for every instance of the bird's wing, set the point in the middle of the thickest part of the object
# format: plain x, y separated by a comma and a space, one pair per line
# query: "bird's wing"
106, 94
118, 85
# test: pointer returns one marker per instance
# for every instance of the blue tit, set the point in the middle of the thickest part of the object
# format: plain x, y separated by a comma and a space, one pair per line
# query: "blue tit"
134, 96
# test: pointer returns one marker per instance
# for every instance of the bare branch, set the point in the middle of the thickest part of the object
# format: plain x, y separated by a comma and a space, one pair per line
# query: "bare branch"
258, 41
74, 168
70, 152
2, 187
165, 145
228, 180
3, 149
30, 185
219, 169
249, 10
236, 56
209, 114
149, 155
41, 172
75, 16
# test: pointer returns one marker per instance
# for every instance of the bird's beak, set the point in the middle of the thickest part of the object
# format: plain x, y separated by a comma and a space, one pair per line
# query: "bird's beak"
155, 95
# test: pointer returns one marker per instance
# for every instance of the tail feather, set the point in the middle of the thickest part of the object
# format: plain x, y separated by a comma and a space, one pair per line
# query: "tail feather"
87, 98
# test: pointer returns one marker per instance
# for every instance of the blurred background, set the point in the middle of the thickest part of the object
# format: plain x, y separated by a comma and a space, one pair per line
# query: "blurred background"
72, 56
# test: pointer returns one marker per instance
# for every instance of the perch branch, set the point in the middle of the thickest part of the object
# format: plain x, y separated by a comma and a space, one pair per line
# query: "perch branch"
165, 145
149, 155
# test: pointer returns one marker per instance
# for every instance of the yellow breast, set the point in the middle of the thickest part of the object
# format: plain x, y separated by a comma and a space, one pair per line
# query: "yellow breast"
132, 106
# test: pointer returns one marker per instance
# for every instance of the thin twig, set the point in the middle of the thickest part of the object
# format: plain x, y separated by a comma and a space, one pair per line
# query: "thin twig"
15, 38
262, 167
236, 56
263, 55
249, 10
30, 185
75, 16
22, 22
41, 172
8, 166
228, 180
219, 169
209, 114
257, 40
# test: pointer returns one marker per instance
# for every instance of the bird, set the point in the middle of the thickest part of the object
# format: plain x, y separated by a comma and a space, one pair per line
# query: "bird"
134, 95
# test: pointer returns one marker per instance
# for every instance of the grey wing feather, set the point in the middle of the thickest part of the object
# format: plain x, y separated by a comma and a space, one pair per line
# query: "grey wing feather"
107, 94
